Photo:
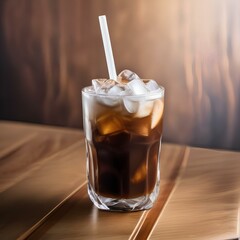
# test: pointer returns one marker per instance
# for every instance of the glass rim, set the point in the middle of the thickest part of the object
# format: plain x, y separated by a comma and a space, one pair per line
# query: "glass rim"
159, 93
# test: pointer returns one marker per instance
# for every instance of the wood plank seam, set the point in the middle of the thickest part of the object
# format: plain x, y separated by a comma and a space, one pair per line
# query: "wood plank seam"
144, 228
139, 225
174, 185
38, 229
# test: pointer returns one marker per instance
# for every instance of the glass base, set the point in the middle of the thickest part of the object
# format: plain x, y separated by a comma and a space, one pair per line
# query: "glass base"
123, 205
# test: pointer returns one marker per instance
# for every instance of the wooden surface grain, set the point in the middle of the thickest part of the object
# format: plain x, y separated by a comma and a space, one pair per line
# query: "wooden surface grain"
83, 220
43, 192
205, 203
37, 173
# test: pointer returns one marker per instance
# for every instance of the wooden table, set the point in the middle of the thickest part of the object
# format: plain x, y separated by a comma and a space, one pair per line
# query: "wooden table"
43, 192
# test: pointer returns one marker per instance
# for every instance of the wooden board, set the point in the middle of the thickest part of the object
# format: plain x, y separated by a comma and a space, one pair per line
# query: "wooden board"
43, 191
43, 186
205, 201
39, 166
78, 218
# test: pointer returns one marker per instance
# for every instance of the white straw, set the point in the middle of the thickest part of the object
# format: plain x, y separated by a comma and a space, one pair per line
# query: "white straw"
107, 47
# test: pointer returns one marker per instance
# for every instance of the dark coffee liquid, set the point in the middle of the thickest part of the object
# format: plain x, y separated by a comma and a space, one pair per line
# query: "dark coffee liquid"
124, 164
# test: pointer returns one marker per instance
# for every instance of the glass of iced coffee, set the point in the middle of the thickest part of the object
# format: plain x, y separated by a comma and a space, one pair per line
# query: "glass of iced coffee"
123, 127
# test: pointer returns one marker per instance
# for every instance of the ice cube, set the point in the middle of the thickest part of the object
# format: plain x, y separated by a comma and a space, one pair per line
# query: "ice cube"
140, 108
109, 123
141, 130
116, 90
138, 126
108, 101
137, 87
127, 91
157, 112
140, 174
107, 87
144, 109
102, 86
126, 75
151, 85
131, 106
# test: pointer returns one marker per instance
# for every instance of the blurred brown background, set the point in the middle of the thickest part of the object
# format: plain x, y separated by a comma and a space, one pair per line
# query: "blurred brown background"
51, 49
